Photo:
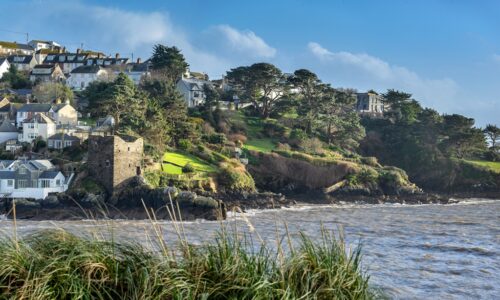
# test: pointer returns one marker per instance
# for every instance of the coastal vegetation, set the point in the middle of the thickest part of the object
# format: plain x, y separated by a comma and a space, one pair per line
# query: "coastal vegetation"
59, 265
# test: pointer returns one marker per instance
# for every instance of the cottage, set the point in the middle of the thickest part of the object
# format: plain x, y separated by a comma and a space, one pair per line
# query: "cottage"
61, 141
67, 61
114, 159
135, 71
7, 110
9, 48
370, 103
38, 126
13, 145
7, 131
65, 114
32, 179
82, 76
192, 90
24, 63
4, 66
47, 73
20, 94
29, 110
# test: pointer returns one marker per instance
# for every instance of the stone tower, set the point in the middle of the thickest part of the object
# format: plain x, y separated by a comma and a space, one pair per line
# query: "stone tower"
114, 159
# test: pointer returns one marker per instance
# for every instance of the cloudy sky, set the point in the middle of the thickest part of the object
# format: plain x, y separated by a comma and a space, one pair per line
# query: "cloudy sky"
446, 53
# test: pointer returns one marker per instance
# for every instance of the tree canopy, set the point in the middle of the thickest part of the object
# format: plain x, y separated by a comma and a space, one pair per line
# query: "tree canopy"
169, 62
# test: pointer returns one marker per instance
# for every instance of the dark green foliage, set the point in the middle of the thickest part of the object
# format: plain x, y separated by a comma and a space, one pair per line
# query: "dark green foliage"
184, 145
16, 79
188, 168
235, 179
217, 138
493, 134
168, 62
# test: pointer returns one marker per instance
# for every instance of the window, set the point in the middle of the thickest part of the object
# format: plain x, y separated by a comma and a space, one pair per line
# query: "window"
31, 125
45, 183
107, 163
22, 171
22, 184
10, 183
58, 182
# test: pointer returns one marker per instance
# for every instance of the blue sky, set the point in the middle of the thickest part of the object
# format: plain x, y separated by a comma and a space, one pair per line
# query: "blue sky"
446, 53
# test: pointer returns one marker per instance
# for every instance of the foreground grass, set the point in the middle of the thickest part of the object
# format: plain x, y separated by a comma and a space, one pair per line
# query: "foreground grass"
59, 265
174, 161
491, 165
262, 145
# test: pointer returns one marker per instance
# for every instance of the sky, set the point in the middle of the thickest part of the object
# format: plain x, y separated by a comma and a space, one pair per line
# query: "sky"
444, 52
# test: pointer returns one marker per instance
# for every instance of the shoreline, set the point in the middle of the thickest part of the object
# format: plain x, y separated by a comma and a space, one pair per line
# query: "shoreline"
26, 210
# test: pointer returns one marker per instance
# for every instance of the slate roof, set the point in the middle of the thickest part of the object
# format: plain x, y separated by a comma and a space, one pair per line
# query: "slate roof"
39, 118
195, 84
52, 58
48, 175
108, 61
7, 175
7, 127
2, 59
57, 107
87, 69
35, 107
59, 136
26, 59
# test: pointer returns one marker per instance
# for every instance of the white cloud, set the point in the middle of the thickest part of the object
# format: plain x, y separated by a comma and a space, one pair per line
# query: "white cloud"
372, 72
242, 41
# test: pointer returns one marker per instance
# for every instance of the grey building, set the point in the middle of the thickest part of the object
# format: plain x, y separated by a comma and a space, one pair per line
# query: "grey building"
370, 103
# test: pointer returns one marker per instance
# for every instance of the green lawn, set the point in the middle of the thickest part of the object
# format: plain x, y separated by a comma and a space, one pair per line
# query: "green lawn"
262, 145
174, 161
494, 166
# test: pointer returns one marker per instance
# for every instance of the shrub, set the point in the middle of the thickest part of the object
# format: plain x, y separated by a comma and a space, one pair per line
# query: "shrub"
274, 130
188, 168
283, 147
217, 138
368, 176
236, 137
297, 136
371, 161
312, 145
236, 180
184, 144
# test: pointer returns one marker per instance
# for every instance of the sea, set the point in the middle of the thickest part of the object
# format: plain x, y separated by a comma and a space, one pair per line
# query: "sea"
430, 251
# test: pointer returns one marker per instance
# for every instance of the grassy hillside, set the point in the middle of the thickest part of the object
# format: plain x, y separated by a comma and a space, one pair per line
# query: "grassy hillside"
491, 165
174, 161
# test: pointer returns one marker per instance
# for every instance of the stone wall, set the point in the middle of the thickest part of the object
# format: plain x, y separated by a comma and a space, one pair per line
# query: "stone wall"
113, 159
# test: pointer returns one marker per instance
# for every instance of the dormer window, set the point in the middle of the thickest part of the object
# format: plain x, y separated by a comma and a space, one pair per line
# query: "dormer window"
72, 57
18, 59
50, 57
62, 58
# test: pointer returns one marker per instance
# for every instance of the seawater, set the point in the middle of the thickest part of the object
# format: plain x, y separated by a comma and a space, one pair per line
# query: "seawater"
409, 251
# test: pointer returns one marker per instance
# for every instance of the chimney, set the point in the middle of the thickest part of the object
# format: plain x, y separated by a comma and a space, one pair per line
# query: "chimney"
78, 51
138, 60
117, 55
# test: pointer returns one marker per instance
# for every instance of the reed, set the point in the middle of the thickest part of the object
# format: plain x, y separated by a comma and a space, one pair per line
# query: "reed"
59, 265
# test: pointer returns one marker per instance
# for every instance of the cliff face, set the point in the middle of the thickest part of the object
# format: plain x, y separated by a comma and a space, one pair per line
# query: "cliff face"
274, 170
277, 173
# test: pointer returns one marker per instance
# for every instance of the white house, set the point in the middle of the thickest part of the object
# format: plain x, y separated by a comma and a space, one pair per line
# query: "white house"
4, 66
370, 103
29, 110
38, 45
135, 71
47, 73
7, 131
192, 90
67, 61
82, 76
37, 126
23, 63
32, 179
8, 48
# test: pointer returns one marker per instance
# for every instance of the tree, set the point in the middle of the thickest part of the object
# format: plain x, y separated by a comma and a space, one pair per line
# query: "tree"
121, 100
168, 62
394, 97
262, 84
493, 134
309, 93
48, 92
15, 79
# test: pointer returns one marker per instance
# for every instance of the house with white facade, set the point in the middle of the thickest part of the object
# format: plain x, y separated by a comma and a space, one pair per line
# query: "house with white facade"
47, 73
67, 61
192, 90
370, 103
8, 48
31, 179
135, 71
62, 140
38, 126
29, 110
4, 66
7, 131
24, 63
38, 45
82, 76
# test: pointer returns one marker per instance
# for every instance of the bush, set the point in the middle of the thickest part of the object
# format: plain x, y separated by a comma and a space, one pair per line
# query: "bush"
236, 180
188, 168
217, 138
368, 176
312, 145
371, 161
184, 144
274, 130
297, 136
283, 147
236, 137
